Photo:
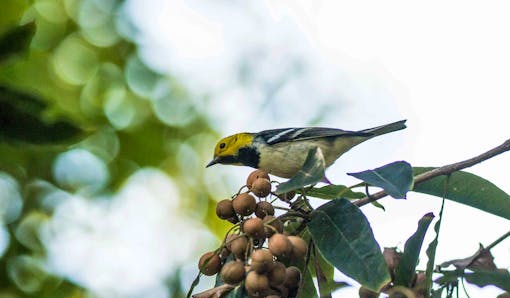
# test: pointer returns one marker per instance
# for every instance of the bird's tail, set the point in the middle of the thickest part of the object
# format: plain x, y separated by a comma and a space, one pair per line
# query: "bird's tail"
383, 129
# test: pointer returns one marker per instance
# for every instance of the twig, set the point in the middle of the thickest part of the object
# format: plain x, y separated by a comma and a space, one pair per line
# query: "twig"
444, 170
497, 241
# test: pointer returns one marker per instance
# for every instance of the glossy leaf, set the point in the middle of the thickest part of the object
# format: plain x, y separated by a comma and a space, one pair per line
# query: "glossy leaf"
16, 40
311, 172
330, 192
468, 189
343, 235
395, 178
407, 265
21, 119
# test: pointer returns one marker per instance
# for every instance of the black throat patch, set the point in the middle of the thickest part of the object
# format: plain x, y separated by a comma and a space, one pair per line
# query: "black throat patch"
248, 156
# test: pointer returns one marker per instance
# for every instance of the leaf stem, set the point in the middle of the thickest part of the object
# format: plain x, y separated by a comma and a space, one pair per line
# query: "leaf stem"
444, 170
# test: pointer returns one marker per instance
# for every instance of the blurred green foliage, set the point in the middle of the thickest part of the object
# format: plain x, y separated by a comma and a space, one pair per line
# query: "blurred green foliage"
70, 77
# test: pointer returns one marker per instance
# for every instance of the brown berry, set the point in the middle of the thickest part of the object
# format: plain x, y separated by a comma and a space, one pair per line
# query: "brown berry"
276, 275
225, 210
292, 277
286, 197
272, 225
256, 284
279, 245
279, 291
299, 247
244, 204
253, 227
261, 260
209, 263
263, 209
238, 246
254, 176
232, 272
261, 187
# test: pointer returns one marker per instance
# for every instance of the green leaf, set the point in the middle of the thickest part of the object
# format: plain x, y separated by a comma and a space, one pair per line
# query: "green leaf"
21, 120
407, 266
332, 286
311, 172
16, 40
431, 251
500, 279
468, 189
327, 269
308, 288
395, 178
378, 205
330, 192
481, 278
343, 235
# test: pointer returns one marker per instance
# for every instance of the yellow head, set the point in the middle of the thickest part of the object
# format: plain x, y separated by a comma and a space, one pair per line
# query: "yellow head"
227, 149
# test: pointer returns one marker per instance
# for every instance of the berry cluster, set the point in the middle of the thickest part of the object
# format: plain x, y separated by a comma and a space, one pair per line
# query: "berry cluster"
258, 252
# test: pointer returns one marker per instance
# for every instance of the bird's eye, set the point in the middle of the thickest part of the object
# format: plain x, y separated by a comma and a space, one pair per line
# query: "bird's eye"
222, 145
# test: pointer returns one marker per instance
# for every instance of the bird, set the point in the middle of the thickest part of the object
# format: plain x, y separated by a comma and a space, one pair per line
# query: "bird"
282, 152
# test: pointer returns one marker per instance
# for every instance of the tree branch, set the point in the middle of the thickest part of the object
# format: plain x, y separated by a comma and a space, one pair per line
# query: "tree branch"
444, 170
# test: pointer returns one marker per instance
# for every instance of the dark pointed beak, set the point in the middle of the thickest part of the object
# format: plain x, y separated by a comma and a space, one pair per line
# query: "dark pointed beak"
213, 162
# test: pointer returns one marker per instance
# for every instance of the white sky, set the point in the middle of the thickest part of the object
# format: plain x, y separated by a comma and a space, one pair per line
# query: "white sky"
443, 65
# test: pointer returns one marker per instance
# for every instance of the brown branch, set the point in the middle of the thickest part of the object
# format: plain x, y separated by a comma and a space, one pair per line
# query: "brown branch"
444, 170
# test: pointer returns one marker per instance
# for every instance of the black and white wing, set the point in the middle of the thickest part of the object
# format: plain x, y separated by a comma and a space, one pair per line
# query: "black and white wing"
274, 136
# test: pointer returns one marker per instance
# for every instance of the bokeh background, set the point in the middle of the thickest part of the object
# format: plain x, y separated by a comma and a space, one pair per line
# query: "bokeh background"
125, 207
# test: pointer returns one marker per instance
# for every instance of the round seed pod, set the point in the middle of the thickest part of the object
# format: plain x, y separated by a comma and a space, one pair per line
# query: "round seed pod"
244, 204
261, 187
238, 246
225, 210
299, 247
263, 209
274, 222
256, 284
279, 245
232, 272
276, 275
253, 227
261, 260
292, 277
209, 263
254, 176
